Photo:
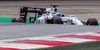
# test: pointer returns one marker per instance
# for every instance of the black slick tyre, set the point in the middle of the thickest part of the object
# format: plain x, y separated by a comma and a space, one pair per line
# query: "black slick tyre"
14, 20
56, 20
92, 21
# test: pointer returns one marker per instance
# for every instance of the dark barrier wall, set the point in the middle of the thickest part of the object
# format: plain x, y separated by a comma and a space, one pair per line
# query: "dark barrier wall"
49, 0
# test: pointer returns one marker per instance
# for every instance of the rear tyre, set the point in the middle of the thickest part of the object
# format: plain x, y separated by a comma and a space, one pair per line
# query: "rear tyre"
56, 20
92, 21
17, 20
14, 20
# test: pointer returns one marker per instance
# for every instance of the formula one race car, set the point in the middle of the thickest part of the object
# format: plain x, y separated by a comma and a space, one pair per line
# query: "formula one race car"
70, 20
49, 16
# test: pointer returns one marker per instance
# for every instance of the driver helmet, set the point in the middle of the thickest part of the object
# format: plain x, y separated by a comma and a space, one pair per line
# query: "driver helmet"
58, 14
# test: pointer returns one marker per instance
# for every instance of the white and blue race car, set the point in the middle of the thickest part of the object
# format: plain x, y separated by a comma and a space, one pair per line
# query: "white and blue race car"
50, 16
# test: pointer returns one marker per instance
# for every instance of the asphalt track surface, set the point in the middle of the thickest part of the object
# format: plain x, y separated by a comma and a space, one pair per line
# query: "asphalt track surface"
8, 24
32, 30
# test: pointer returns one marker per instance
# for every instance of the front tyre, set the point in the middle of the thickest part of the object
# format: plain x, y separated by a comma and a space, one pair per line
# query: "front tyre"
56, 20
92, 21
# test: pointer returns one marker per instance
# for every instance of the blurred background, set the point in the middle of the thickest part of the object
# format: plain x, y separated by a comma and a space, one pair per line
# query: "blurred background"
82, 9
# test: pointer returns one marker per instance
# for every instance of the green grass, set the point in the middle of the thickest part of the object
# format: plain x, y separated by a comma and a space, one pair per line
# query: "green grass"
94, 45
99, 23
8, 19
5, 19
